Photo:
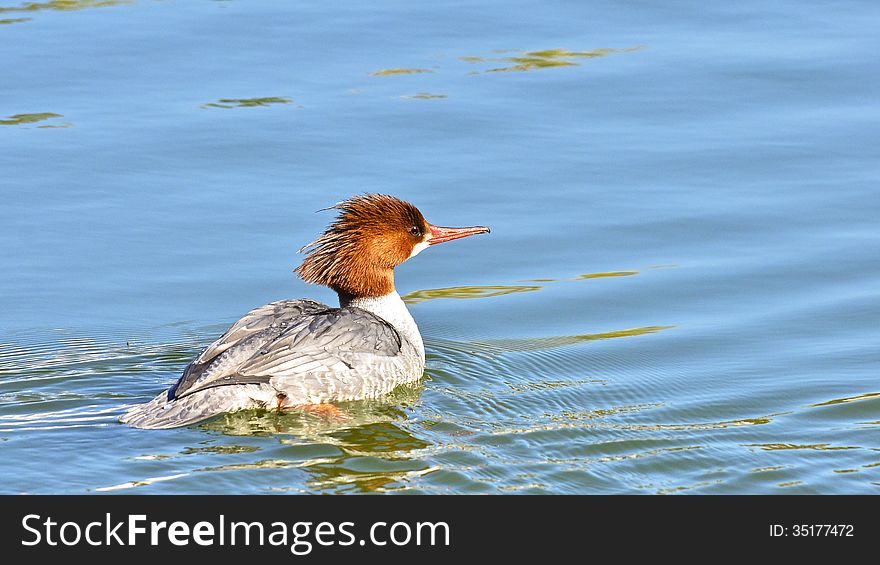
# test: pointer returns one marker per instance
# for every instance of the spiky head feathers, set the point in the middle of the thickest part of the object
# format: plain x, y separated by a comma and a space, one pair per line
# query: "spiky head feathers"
357, 253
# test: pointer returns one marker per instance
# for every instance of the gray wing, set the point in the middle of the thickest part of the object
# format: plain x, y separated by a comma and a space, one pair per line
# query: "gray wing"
331, 340
341, 354
305, 346
275, 315
217, 363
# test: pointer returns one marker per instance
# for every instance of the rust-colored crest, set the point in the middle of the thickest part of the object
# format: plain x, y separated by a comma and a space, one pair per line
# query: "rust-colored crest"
357, 253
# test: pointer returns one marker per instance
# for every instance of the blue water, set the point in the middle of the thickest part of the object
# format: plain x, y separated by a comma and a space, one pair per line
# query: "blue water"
679, 294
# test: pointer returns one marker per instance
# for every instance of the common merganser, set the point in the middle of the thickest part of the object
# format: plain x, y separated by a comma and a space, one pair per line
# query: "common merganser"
303, 354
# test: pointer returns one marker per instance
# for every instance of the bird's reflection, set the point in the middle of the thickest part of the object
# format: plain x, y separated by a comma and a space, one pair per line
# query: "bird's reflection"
373, 442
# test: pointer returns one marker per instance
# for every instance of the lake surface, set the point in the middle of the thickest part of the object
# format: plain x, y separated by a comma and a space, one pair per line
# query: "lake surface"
680, 294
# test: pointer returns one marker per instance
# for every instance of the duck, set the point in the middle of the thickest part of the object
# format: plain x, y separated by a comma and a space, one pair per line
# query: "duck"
300, 354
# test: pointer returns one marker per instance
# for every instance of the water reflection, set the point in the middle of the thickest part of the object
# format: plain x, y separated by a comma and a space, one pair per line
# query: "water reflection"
261, 464
221, 449
703, 425
466, 292
795, 446
376, 456
391, 72
365, 452
20, 119
866, 396
141, 483
531, 60
14, 20
424, 96
490, 291
339, 480
367, 457
63, 5
304, 424
552, 342
247, 102
551, 385
604, 275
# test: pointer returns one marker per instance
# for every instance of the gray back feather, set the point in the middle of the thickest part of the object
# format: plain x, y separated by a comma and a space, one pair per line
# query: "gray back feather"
290, 340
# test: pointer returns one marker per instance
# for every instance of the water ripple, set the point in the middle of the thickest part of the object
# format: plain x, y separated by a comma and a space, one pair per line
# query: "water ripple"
546, 58
227, 103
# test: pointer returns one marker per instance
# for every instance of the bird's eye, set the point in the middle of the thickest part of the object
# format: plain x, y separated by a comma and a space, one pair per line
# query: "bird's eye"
415, 230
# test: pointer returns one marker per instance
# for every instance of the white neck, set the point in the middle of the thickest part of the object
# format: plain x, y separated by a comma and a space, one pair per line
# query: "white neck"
392, 309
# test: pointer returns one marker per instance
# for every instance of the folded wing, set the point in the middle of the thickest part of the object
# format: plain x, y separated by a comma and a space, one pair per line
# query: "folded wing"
302, 348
